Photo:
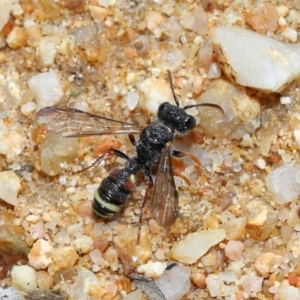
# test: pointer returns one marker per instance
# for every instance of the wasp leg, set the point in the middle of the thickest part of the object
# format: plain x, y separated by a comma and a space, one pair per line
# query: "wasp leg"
108, 154
176, 173
178, 153
144, 200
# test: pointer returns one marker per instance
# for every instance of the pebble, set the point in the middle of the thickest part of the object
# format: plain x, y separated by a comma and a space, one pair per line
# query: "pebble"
83, 244
10, 187
241, 112
265, 64
234, 250
261, 219
235, 228
152, 269
17, 38
217, 287
40, 255
195, 245
63, 258
288, 293
130, 253
267, 262
24, 278
46, 89
13, 246
175, 283
252, 284
155, 92
6, 6
283, 183
47, 49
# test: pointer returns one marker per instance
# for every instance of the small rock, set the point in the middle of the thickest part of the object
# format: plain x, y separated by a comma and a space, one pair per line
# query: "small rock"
252, 284
47, 49
6, 6
56, 151
155, 91
235, 228
289, 292
9, 293
79, 290
17, 38
283, 183
63, 258
175, 283
40, 255
195, 245
10, 187
24, 278
83, 244
13, 246
234, 250
267, 262
241, 112
254, 60
261, 219
46, 89
130, 253
217, 287
152, 269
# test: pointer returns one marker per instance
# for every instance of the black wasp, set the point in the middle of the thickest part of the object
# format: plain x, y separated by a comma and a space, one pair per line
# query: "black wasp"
153, 148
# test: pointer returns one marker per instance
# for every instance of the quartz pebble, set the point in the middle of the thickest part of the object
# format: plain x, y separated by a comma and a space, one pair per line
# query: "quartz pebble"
40, 255
24, 278
79, 290
261, 219
83, 244
254, 60
155, 92
175, 283
284, 184
217, 288
46, 89
267, 262
251, 284
56, 151
47, 49
241, 112
234, 250
289, 292
195, 245
6, 6
152, 269
10, 187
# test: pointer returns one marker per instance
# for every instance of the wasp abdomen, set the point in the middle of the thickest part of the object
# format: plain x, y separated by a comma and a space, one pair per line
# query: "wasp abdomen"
113, 191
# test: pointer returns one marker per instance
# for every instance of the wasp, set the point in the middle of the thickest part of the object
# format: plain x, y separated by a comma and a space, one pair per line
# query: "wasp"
154, 148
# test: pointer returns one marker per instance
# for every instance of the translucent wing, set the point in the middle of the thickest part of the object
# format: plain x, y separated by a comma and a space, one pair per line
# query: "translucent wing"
164, 205
71, 122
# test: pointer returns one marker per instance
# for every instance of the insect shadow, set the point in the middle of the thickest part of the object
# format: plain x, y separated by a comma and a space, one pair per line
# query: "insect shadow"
153, 148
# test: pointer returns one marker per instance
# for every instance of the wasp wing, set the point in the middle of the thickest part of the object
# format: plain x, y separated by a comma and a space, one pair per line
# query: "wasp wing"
71, 122
164, 205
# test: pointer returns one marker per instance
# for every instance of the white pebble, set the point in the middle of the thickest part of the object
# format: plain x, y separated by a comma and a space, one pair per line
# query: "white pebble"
132, 99
83, 244
24, 278
6, 6
282, 183
96, 257
251, 283
175, 283
40, 256
10, 186
291, 34
46, 89
47, 49
195, 245
214, 71
27, 108
152, 269
285, 100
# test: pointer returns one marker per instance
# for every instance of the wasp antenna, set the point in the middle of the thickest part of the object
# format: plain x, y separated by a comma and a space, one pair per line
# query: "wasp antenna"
172, 88
205, 104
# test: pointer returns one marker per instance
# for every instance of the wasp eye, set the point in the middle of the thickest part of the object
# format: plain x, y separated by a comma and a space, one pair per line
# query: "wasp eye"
190, 123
